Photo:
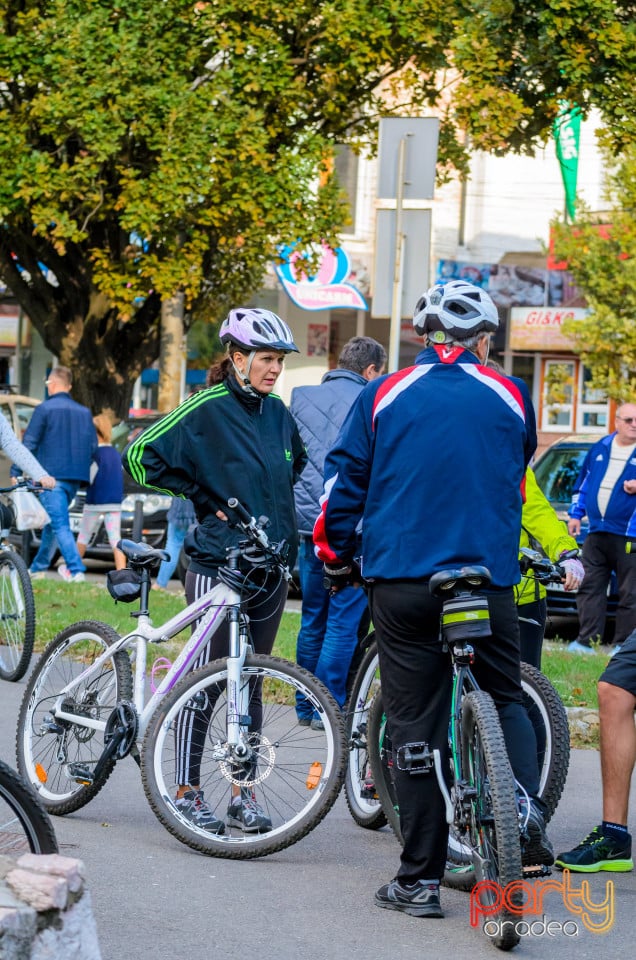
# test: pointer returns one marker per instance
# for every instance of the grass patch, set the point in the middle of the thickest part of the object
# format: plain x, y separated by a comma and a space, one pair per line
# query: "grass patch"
574, 676
59, 604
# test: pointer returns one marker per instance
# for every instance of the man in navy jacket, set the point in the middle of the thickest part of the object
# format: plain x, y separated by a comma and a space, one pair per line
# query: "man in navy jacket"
432, 459
329, 625
62, 436
605, 492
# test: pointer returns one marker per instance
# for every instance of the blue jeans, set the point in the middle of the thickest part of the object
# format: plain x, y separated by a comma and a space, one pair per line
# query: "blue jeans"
58, 531
174, 541
328, 629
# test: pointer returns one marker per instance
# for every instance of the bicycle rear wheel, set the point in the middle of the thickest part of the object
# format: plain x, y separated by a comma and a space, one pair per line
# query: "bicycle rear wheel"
17, 616
52, 752
550, 722
296, 772
360, 791
24, 824
490, 814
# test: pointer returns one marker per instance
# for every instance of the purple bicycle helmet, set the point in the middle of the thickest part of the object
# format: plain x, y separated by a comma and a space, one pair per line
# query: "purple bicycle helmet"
257, 329
454, 311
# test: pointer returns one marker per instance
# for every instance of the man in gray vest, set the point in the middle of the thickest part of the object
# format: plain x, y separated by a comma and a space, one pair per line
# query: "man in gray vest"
329, 625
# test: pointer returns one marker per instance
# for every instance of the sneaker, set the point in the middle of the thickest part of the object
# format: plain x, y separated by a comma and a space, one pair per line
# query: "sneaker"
317, 725
37, 574
535, 846
576, 647
304, 721
193, 807
66, 574
615, 650
419, 899
246, 814
598, 852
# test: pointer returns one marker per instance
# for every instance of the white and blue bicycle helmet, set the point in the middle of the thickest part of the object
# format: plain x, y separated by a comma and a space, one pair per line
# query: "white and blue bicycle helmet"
257, 329
454, 311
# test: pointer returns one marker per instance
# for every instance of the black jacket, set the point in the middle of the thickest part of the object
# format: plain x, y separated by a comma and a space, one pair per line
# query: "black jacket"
222, 443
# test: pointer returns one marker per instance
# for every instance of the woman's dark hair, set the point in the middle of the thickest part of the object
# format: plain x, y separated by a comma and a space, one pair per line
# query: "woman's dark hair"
220, 371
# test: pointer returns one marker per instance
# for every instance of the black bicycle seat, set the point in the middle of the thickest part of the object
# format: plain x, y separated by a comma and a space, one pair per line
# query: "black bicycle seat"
141, 554
456, 579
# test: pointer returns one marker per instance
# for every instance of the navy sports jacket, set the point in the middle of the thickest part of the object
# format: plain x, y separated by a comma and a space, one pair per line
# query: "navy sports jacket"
432, 458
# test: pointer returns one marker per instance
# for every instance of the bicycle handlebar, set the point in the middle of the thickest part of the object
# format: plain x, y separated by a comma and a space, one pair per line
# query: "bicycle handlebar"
533, 563
31, 485
255, 530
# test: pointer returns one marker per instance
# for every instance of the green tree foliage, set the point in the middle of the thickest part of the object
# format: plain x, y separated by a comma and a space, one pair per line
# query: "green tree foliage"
600, 250
151, 146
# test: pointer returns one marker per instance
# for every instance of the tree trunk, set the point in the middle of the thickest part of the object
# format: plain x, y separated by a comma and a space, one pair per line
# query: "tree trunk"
172, 356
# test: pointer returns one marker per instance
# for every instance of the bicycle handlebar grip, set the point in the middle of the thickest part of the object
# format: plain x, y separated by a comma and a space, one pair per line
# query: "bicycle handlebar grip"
239, 510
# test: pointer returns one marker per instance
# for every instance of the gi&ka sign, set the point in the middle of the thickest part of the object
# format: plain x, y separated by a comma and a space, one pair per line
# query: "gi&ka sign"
539, 328
327, 289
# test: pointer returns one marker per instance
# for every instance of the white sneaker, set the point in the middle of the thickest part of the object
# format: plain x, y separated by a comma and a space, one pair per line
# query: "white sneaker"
37, 574
66, 574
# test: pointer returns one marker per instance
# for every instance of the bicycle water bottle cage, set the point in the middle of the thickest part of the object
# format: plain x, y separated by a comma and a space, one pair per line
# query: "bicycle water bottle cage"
415, 758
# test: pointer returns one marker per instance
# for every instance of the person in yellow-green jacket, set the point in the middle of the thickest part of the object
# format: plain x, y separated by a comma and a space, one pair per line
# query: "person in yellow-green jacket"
540, 526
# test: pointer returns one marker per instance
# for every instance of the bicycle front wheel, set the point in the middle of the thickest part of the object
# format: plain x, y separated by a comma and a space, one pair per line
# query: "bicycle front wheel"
24, 824
490, 812
360, 790
295, 772
17, 616
53, 753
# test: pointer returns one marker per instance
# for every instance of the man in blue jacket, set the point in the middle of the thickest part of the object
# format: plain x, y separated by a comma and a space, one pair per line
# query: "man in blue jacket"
329, 625
432, 459
62, 436
605, 492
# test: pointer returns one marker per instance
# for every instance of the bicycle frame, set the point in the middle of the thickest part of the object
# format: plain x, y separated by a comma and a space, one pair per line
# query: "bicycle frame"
215, 605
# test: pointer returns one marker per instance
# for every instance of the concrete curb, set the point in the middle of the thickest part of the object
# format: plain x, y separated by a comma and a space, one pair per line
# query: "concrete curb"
45, 910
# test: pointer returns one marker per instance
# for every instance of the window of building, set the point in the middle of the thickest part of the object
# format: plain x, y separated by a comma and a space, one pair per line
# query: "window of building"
592, 407
557, 395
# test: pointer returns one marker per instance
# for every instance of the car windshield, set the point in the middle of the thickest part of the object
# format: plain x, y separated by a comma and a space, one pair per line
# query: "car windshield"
128, 430
557, 471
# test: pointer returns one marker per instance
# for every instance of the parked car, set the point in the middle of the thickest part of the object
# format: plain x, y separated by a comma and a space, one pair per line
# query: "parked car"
17, 410
153, 506
557, 470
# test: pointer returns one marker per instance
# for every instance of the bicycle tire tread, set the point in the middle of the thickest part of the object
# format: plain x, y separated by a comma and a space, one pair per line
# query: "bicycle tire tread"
85, 794
11, 558
20, 797
368, 820
479, 712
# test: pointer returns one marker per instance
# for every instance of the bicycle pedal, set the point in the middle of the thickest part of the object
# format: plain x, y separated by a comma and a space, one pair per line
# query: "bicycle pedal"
79, 773
368, 791
536, 870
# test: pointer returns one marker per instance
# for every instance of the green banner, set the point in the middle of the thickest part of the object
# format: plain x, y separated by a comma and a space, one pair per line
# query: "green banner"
567, 131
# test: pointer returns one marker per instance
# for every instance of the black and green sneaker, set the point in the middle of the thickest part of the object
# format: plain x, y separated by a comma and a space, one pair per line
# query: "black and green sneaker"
598, 852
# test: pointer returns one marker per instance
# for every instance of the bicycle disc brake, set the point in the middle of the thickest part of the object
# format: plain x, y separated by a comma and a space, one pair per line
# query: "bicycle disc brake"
255, 767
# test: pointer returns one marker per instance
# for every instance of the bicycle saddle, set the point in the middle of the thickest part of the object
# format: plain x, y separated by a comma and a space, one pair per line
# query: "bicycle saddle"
458, 578
141, 554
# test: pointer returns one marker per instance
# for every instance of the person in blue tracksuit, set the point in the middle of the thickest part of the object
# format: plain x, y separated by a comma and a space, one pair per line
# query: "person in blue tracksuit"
432, 460
329, 625
605, 491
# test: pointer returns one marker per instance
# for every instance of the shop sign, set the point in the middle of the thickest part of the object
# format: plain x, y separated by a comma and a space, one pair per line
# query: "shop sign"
327, 289
540, 328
